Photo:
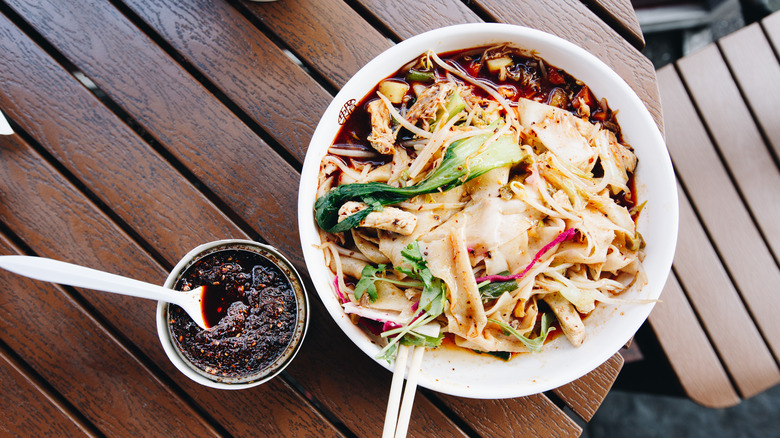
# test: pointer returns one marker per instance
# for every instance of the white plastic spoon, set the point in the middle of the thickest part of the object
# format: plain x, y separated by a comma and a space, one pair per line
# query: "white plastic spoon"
55, 271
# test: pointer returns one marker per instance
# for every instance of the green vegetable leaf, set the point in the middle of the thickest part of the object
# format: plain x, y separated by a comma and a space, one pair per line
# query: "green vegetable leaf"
418, 340
367, 284
455, 104
453, 171
492, 290
433, 296
420, 76
535, 344
432, 302
388, 353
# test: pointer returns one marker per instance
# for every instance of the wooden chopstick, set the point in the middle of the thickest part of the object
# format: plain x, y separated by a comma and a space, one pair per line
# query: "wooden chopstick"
393, 402
397, 425
409, 391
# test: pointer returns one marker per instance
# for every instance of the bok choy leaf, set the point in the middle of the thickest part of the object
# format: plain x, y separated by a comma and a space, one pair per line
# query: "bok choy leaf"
463, 161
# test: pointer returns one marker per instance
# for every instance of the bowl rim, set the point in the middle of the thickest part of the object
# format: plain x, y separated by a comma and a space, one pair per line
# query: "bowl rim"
395, 57
303, 316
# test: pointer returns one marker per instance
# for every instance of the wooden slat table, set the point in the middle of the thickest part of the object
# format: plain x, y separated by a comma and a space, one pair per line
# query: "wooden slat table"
144, 128
718, 324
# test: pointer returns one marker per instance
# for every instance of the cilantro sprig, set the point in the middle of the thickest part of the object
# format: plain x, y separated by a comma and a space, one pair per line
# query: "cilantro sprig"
370, 275
432, 303
535, 344
433, 297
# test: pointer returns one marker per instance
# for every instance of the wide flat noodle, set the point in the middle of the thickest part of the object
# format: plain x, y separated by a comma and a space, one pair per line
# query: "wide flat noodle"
515, 219
448, 259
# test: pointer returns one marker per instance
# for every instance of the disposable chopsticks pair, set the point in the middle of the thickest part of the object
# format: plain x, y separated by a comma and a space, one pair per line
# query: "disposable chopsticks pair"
397, 417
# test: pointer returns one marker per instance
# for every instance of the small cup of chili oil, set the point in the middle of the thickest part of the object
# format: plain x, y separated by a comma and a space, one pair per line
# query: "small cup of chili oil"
254, 304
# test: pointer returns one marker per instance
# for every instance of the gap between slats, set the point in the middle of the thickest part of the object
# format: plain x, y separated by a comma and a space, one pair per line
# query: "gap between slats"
148, 138
140, 357
42, 386
115, 337
212, 87
734, 277
672, 90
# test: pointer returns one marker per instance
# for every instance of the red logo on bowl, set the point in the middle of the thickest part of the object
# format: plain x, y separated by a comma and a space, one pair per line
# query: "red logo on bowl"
346, 110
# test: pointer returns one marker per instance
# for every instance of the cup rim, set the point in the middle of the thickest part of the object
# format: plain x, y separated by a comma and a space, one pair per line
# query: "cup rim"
221, 382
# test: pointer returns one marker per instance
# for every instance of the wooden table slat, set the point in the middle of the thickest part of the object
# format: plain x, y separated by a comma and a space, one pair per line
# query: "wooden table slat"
720, 208
344, 40
728, 323
622, 16
152, 88
68, 220
28, 406
755, 67
584, 395
407, 18
735, 133
689, 350
514, 417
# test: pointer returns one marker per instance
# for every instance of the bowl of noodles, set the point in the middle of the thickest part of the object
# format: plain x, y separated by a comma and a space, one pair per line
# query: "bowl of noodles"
501, 184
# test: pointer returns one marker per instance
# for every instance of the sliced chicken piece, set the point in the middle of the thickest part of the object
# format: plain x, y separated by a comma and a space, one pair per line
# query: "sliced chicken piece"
389, 219
429, 102
382, 137
568, 318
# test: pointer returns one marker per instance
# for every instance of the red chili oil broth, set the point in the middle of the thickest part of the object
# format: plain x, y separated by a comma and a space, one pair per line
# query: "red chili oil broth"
250, 306
530, 77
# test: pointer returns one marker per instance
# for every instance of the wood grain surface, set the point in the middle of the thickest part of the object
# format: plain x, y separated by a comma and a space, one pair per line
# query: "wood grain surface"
242, 62
579, 394
179, 112
191, 125
29, 403
502, 418
753, 62
731, 229
334, 40
723, 263
620, 15
735, 132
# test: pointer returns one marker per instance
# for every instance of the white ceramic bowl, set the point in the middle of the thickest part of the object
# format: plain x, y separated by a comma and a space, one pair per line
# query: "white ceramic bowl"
463, 373
278, 365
